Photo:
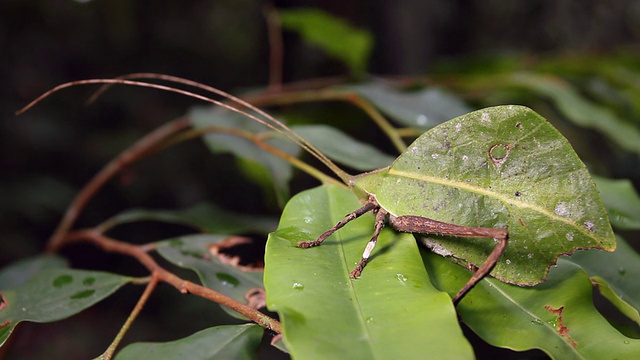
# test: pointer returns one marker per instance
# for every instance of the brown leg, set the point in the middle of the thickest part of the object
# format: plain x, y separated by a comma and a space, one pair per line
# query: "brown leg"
418, 224
369, 206
380, 219
483, 271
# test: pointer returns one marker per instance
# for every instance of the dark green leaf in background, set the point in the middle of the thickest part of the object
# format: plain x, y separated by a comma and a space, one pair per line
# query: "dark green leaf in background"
204, 216
344, 149
334, 36
423, 109
54, 294
616, 273
221, 342
622, 202
193, 252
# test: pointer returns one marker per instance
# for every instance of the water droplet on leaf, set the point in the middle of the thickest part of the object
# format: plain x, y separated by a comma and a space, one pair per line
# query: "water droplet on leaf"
569, 236
536, 322
401, 277
297, 286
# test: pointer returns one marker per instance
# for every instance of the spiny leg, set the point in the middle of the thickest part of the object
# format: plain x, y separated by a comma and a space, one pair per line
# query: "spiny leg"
418, 224
380, 219
369, 206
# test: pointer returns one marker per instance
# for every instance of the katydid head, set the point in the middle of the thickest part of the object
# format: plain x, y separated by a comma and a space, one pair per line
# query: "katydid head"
236, 104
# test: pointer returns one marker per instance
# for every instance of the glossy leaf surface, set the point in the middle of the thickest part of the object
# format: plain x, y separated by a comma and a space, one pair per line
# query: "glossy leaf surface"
221, 342
54, 294
392, 311
557, 316
503, 167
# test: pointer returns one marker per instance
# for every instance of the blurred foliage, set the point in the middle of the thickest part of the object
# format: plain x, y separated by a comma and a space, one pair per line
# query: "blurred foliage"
474, 55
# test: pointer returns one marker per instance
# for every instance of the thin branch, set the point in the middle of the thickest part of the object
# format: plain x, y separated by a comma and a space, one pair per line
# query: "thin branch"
108, 354
286, 98
184, 286
276, 49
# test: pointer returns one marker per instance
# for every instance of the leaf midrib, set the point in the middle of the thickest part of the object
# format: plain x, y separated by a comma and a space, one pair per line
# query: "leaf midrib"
495, 195
346, 270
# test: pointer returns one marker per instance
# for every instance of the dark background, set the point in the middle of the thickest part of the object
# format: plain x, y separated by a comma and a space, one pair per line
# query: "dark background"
47, 154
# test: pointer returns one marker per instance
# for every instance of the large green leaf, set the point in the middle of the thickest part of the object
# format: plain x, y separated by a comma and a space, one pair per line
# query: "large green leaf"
17, 273
616, 274
54, 294
337, 38
194, 252
392, 311
524, 318
503, 167
221, 342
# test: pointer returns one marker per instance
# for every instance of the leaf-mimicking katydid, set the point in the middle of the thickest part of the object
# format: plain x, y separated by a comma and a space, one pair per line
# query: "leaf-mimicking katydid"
501, 173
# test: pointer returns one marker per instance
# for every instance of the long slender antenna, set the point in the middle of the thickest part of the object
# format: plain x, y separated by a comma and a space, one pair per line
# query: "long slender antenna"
267, 120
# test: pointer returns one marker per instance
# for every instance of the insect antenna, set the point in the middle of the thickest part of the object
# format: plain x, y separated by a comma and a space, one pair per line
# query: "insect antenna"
264, 119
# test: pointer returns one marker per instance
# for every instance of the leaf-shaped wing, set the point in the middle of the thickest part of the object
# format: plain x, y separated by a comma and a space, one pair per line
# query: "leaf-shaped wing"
504, 167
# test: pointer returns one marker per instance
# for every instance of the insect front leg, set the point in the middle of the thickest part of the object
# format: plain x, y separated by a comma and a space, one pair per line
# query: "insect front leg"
381, 215
418, 224
369, 206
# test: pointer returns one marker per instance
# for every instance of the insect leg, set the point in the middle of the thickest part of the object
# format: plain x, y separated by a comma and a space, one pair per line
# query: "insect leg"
418, 224
369, 206
484, 270
380, 219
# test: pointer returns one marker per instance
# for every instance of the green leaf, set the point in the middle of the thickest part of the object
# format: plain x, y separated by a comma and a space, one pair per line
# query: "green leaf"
220, 342
280, 171
193, 252
524, 318
423, 109
204, 216
337, 38
17, 273
616, 274
502, 167
622, 202
342, 148
54, 294
580, 111
392, 311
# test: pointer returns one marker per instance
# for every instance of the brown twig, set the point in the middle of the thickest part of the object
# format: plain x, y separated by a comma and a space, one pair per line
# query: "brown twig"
158, 272
151, 285
276, 48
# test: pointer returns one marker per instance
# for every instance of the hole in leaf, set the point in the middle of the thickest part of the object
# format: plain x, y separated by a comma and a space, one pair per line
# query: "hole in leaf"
243, 252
